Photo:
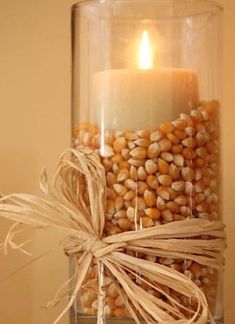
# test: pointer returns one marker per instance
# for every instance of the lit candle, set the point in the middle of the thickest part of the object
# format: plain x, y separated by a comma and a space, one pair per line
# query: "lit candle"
142, 98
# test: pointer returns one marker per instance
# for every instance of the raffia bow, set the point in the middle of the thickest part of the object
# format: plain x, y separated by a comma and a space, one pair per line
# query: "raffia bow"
82, 221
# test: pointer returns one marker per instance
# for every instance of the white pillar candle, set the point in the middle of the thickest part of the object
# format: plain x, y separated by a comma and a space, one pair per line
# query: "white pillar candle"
143, 98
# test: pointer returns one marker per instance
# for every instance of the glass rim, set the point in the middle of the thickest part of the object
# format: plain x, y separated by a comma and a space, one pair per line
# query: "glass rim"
207, 6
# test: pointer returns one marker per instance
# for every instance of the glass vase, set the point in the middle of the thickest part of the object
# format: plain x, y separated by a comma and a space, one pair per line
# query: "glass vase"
146, 96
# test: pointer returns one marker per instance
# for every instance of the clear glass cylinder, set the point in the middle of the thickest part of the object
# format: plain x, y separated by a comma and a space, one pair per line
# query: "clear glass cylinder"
146, 96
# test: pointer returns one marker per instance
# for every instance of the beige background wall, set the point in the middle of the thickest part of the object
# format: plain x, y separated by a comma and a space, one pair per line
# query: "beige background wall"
35, 128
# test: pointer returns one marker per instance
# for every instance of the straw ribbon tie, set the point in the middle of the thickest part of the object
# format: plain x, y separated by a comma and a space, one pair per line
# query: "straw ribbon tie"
65, 210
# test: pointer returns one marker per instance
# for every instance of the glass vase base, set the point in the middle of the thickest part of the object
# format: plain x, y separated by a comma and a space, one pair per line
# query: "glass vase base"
84, 319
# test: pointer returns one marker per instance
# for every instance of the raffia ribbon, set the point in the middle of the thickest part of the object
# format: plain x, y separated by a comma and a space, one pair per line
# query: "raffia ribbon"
66, 211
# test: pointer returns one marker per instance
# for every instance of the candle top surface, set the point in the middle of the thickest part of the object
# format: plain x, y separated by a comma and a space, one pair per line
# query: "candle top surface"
167, 70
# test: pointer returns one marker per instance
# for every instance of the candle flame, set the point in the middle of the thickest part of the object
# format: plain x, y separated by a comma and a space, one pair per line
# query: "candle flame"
145, 54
